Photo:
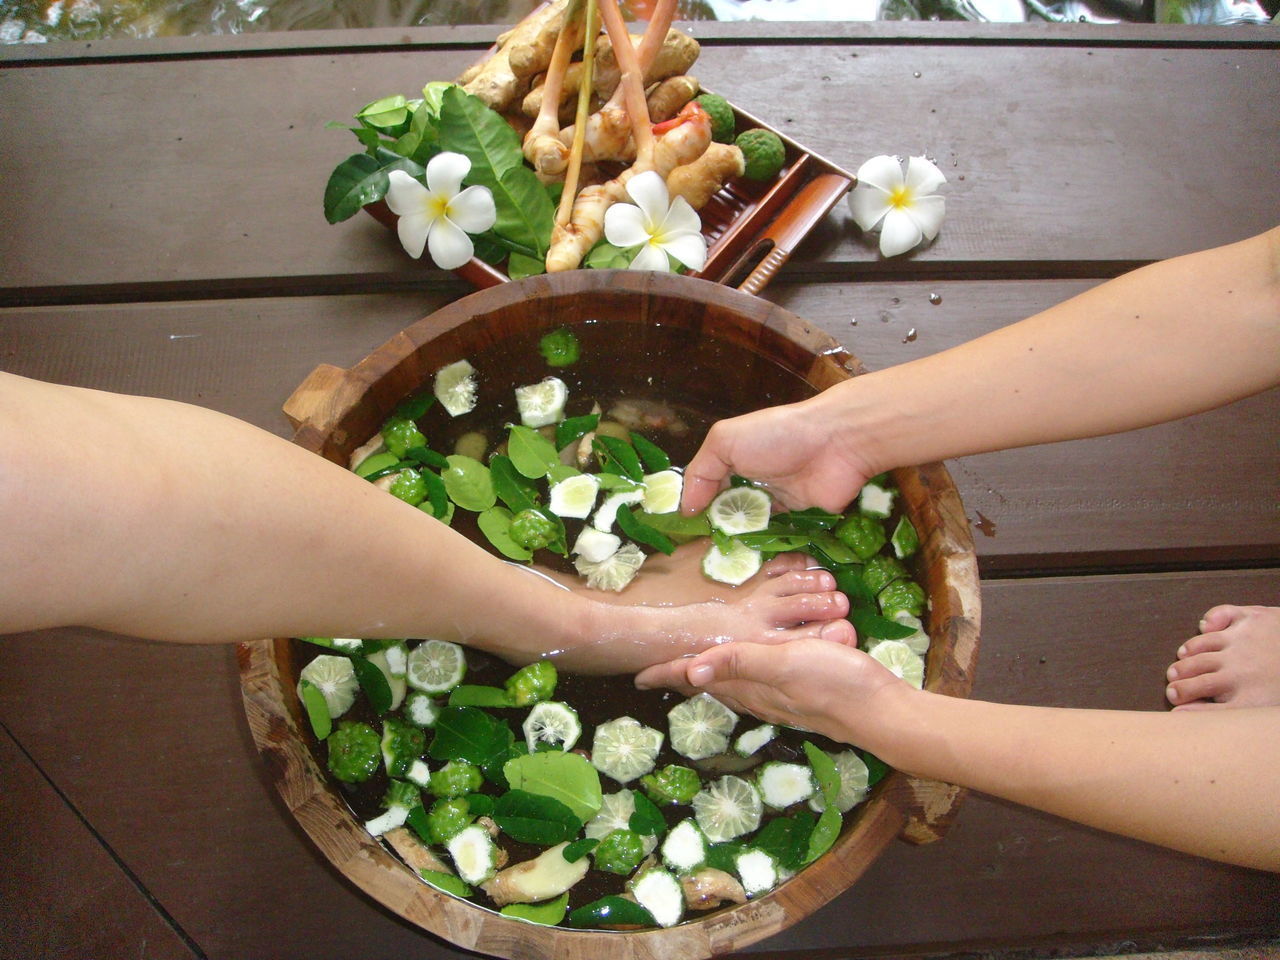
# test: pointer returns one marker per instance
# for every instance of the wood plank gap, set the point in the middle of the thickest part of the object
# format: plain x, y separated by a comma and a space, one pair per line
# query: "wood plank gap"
156, 905
1107, 563
710, 33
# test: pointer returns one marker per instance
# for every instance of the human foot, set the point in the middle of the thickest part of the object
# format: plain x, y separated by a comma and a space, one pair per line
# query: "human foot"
1233, 662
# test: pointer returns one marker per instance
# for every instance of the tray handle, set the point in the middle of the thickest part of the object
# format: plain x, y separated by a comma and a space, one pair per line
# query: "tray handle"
764, 258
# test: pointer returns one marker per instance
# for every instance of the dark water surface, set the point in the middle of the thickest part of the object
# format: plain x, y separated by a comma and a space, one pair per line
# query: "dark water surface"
38, 21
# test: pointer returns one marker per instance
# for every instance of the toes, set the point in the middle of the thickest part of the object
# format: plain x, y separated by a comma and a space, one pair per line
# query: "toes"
1194, 666
1205, 643
1201, 705
1204, 687
1219, 618
800, 581
806, 607
786, 563
835, 631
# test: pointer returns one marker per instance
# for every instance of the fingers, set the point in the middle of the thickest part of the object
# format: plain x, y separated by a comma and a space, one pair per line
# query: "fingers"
706, 473
672, 674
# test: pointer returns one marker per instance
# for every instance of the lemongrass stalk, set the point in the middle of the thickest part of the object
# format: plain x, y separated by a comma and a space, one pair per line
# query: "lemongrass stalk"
573, 173
631, 82
548, 120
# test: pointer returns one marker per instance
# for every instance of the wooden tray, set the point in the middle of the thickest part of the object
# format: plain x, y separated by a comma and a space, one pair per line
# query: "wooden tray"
335, 410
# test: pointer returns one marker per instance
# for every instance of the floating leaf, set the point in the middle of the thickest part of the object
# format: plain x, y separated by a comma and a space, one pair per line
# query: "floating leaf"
567, 777
468, 482
849, 582
466, 733
548, 913
724, 856
531, 453
811, 520
609, 912
647, 818
317, 709
479, 804
374, 684
472, 695
676, 525
437, 496
618, 455
573, 429
654, 457
417, 822
824, 834
535, 818
833, 548
641, 532
786, 839
427, 457
824, 771
521, 265
877, 769
579, 849
512, 487
415, 407
495, 524
446, 882
872, 625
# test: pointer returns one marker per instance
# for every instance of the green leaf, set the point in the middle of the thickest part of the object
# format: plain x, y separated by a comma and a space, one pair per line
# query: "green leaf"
786, 839
676, 525
531, 453
473, 695
869, 624
357, 181
722, 540
824, 771
767, 542
835, 549
605, 256
824, 834
466, 733
422, 140
613, 482
389, 112
427, 457
561, 472
417, 821
376, 462
468, 483
470, 128
647, 818
567, 777
849, 582
374, 684
437, 496
510, 485
520, 266
535, 818
480, 804
611, 911
495, 524
877, 769
654, 457
619, 454
573, 429
317, 710
579, 849
641, 532
723, 856
446, 882
811, 520
548, 913
415, 407
525, 213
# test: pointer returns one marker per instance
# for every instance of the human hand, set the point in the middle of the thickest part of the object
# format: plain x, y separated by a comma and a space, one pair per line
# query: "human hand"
796, 451
830, 688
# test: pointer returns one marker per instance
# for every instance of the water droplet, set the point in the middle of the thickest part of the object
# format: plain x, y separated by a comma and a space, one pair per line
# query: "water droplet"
910, 337
935, 298
916, 74
853, 321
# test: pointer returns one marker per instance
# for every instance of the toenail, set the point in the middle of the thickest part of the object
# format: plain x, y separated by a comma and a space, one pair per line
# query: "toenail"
1171, 673
1182, 650
1171, 693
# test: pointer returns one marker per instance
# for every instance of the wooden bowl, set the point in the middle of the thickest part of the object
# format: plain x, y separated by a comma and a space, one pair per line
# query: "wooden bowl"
336, 410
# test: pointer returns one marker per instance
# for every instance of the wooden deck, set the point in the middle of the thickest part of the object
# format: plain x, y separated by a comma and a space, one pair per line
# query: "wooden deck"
162, 234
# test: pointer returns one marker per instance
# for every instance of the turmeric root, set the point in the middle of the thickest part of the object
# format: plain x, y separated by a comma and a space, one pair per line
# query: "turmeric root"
496, 83
699, 181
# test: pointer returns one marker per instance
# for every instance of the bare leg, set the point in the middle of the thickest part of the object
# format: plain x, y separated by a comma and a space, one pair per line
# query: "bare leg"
1233, 662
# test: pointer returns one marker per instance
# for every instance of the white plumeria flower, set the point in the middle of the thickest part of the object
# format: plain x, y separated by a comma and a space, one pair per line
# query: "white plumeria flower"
663, 226
904, 207
440, 215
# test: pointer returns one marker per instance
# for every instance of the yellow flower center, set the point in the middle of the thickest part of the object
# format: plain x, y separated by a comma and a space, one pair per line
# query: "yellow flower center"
438, 206
900, 197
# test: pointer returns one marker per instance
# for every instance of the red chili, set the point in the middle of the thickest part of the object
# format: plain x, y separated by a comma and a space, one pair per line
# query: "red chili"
689, 112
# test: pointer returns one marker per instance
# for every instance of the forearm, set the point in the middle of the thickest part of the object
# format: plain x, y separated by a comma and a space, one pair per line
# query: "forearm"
165, 520
1168, 340
1204, 782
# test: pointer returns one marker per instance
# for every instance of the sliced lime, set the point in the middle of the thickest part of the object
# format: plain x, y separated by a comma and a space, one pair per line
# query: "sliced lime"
455, 388
335, 678
740, 510
853, 782
574, 496
875, 501
662, 491
753, 740
594, 546
736, 567
625, 749
728, 808
615, 814
436, 666
918, 641
700, 727
615, 571
542, 403
900, 661
608, 512
554, 723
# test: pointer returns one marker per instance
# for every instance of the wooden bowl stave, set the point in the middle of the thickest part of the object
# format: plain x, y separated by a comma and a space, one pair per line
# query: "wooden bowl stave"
336, 410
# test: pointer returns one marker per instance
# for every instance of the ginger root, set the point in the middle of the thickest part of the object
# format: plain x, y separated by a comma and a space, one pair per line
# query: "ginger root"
699, 181
496, 83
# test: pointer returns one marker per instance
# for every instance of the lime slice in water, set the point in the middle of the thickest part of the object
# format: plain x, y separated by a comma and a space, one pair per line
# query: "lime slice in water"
901, 662
728, 808
554, 723
615, 814
853, 782
608, 512
574, 496
700, 727
455, 388
740, 510
662, 491
625, 749
736, 567
435, 666
542, 403
615, 571
335, 678
594, 546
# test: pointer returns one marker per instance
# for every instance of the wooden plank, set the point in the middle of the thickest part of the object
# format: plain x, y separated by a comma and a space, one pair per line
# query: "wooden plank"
64, 895
1073, 164
477, 37
1205, 487
145, 732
